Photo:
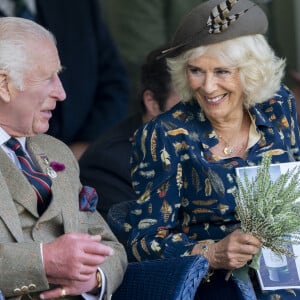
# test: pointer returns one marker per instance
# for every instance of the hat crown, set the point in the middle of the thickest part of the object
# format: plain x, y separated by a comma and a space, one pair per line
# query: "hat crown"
216, 21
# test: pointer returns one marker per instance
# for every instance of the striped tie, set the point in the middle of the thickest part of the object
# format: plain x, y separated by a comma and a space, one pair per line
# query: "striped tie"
40, 182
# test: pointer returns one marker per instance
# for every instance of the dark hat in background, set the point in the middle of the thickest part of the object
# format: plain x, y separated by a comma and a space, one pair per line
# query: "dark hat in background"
216, 21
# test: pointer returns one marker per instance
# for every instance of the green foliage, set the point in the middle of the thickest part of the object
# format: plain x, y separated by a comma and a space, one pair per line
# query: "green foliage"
268, 209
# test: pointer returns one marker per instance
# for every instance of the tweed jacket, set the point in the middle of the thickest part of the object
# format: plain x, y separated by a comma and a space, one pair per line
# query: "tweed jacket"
22, 230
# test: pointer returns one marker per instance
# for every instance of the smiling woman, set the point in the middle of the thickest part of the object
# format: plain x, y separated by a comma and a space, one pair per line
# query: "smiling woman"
234, 108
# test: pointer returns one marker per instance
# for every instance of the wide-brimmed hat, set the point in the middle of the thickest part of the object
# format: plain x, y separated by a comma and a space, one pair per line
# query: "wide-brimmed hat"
216, 21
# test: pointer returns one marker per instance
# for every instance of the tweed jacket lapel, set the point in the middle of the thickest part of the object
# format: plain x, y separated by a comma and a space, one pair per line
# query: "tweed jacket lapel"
67, 209
19, 187
8, 211
13, 187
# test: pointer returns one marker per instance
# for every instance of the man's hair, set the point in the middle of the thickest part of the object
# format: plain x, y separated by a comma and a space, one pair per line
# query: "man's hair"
156, 78
16, 35
260, 70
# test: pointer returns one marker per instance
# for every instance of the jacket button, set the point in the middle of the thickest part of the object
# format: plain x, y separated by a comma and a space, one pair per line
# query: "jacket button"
24, 289
17, 291
31, 287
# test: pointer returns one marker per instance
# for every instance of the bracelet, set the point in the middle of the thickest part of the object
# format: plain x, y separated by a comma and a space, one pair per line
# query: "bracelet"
99, 279
210, 273
204, 245
204, 249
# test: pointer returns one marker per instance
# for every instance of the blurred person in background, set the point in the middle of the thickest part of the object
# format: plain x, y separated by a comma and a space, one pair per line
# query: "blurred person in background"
105, 165
138, 27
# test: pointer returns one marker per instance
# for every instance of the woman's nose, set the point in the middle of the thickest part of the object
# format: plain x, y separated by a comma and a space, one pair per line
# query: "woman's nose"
209, 83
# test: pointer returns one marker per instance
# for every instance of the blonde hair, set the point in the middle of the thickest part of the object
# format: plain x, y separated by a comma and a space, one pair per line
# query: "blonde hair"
15, 37
260, 70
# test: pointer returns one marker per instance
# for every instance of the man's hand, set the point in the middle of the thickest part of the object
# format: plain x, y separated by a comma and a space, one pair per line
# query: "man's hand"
72, 260
69, 287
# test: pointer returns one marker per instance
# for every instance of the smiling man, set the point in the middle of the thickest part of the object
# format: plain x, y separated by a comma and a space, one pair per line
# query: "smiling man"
53, 243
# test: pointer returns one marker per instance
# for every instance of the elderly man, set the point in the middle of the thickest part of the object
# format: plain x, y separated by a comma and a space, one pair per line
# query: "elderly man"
53, 243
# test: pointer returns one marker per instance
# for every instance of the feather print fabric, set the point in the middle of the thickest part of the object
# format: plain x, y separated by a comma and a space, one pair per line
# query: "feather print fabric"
189, 196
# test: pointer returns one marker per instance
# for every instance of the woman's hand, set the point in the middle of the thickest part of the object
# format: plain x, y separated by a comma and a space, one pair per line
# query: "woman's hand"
232, 252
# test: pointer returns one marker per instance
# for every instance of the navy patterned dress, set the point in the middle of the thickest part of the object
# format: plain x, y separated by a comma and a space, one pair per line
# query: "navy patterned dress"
185, 191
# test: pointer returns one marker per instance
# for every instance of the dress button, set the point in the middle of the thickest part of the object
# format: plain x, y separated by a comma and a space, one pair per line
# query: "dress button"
17, 291
24, 289
32, 287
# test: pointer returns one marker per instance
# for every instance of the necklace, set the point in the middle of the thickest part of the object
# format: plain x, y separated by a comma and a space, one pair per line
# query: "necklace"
237, 144
228, 149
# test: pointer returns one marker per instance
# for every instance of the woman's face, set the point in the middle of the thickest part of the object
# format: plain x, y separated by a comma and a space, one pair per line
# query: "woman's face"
217, 88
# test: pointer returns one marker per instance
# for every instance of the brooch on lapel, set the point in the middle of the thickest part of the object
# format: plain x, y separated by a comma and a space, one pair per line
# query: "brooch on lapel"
51, 167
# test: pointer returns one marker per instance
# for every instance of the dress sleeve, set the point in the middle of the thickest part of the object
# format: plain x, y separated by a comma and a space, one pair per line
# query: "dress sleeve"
157, 178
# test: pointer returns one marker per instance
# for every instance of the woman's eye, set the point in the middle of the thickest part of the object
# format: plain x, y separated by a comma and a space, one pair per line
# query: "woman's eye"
195, 70
222, 72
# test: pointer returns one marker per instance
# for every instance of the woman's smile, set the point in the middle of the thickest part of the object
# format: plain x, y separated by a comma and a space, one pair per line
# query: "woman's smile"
215, 100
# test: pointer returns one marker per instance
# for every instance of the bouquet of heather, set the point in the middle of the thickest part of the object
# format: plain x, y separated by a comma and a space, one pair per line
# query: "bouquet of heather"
269, 210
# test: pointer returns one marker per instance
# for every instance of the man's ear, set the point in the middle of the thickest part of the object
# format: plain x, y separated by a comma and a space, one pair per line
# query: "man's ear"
4, 90
152, 106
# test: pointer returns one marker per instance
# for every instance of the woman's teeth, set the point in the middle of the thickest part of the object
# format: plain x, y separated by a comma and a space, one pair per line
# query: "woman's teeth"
215, 99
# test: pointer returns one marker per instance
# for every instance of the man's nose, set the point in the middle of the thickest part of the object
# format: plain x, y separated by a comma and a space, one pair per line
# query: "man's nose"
59, 91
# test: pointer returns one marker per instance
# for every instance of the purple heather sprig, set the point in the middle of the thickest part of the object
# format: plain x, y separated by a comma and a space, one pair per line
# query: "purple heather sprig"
56, 166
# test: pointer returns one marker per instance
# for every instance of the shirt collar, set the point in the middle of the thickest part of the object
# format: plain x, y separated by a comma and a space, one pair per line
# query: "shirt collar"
209, 137
4, 137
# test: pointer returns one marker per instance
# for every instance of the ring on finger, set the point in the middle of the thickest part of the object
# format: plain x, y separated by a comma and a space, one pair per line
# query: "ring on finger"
63, 292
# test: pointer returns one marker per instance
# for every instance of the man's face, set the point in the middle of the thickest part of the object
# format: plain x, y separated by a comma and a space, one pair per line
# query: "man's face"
29, 110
